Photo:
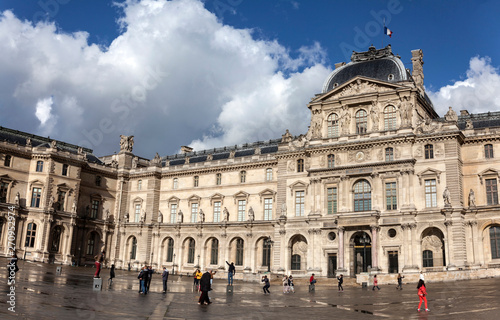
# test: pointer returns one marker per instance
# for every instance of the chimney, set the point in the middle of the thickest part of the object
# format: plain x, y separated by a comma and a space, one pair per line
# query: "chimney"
418, 71
340, 64
186, 149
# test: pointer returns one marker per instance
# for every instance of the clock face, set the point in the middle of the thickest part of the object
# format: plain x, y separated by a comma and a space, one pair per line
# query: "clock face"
360, 156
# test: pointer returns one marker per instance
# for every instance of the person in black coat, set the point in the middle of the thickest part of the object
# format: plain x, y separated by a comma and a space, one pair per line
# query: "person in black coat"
164, 278
205, 287
111, 274
150, 276
143, 277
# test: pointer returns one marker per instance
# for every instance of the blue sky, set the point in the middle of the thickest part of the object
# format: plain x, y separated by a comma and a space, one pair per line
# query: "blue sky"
228, 57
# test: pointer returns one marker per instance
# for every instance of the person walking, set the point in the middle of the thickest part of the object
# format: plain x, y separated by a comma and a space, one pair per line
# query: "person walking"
375, 283
340, 280
164, 278
205, 287
197, 278
290, 284
150, 276
285, 284
266, 285
422, 294
111, 274
400, 282
143, 277
230, 273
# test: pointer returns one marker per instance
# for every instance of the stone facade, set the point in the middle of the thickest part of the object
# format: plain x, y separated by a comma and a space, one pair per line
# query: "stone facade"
379, 184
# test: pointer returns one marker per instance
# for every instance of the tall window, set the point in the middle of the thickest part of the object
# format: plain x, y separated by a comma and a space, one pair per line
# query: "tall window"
196, 181
331, 161
30, 235
332, 200
266, 248
217, 205
139, 185
91, 244
362, 196
429, 151
214, 252
39, 166
269, 174
133, 251
173, 213
170, 250
4, 187
300, 165
389, 154
488, 151
430, 193
268, 208
390, 196
95, 209
6, 161
427, 260
390, 118
361, 121
242, 204
176, 183
137, 215
194, 212
191, 249
299, 203
61, 196
98, 181
333, 125
295, 262
491, 191
243, 176
65, 170
36, 195
56, 239
218, 179
495, 242
239, 252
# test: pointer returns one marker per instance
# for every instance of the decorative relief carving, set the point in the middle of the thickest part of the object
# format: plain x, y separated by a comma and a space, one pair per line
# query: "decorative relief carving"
126, 143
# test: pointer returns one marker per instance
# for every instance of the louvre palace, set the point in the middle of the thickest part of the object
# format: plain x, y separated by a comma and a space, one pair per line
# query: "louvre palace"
379, 184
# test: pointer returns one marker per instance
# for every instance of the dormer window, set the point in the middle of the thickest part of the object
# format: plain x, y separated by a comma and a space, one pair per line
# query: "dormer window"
390, 77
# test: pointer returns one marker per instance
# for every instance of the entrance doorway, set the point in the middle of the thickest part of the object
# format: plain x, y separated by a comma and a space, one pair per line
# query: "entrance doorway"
362, 244
393, 262
332, 265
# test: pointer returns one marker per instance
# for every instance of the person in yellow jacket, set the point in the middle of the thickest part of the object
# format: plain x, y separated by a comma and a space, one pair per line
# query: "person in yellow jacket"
197, 277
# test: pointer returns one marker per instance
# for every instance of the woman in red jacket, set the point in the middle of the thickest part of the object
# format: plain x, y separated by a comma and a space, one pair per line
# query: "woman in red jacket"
422, 294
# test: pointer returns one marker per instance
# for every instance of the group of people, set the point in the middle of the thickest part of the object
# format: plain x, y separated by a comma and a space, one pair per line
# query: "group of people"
145, 277
288, 284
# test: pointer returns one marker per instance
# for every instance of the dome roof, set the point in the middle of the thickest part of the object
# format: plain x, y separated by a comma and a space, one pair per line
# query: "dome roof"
376, 64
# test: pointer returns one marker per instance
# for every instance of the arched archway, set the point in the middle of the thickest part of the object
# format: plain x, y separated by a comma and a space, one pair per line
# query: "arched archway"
236, 251
433, 249
361, 253
298, 253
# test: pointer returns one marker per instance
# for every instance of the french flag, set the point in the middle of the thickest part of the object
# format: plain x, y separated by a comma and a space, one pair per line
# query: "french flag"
387, 31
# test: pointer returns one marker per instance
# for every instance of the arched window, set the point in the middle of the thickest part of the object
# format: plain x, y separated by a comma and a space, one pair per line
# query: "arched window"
239, 252
495, 242
266, 248
300, 165
30, 235
331, 161
176, 183
389, 154
429, 151
269, 174
133, 249
214, 252
243, 176
295, 262
333, 125
488, 151
7, 160
218, 179
191, 250
390, 118
427, 259
361, 121
362, 196
196, 181
139, 185
170, 250
56, 238
39, 166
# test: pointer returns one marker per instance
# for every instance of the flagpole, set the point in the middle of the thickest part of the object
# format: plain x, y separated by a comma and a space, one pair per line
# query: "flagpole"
383, 34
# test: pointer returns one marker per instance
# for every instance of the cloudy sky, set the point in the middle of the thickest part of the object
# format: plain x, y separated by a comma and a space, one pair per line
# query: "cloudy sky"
220, 72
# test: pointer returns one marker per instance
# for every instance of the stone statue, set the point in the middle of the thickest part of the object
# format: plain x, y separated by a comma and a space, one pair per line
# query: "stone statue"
160, 217
80, 150
17, 198
134, 162
345, 121
451, 115
180, 216
28, 142
283, 209
107, 215
287, 137
114, 164
202, 216
73, 207
374, 116
126, 143
251, 214
226, 214
472, 199
127, 217
447, 197
469, 124
143, 216
156, 160
51, 201
53, 144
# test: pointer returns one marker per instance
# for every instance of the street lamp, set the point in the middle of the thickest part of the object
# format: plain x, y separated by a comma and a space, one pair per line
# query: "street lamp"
198, 262
173, 264
268, 242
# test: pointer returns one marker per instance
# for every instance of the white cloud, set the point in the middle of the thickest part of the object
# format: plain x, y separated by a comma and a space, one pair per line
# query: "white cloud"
477, 93
176, 75
43, 108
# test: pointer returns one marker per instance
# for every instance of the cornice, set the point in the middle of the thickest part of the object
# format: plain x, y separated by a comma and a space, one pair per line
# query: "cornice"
383, 165
220, 168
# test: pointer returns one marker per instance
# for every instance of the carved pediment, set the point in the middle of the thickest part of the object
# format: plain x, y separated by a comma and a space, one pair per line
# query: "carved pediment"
267, 193
194, 198
488, 173
216, 197
429, 172
241, 195
298, 185
173, 199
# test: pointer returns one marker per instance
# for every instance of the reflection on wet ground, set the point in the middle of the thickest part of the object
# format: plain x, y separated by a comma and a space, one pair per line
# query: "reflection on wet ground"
42, 294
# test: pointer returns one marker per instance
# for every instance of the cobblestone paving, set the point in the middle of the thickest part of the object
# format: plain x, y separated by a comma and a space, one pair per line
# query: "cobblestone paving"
41, 294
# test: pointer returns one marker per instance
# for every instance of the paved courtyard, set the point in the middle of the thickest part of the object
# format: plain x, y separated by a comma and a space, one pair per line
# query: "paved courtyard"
41, 294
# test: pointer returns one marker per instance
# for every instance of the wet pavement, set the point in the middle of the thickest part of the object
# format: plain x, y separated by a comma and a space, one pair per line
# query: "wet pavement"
41, 294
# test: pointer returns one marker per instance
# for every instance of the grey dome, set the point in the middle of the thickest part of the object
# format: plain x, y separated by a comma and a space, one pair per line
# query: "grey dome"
376, 64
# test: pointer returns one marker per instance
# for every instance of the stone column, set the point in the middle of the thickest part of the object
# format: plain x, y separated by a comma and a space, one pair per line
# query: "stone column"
404, 192
406, 245
447, 240
473, 227
374, 229
67, 247
344, 204
341, 248
413, 243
